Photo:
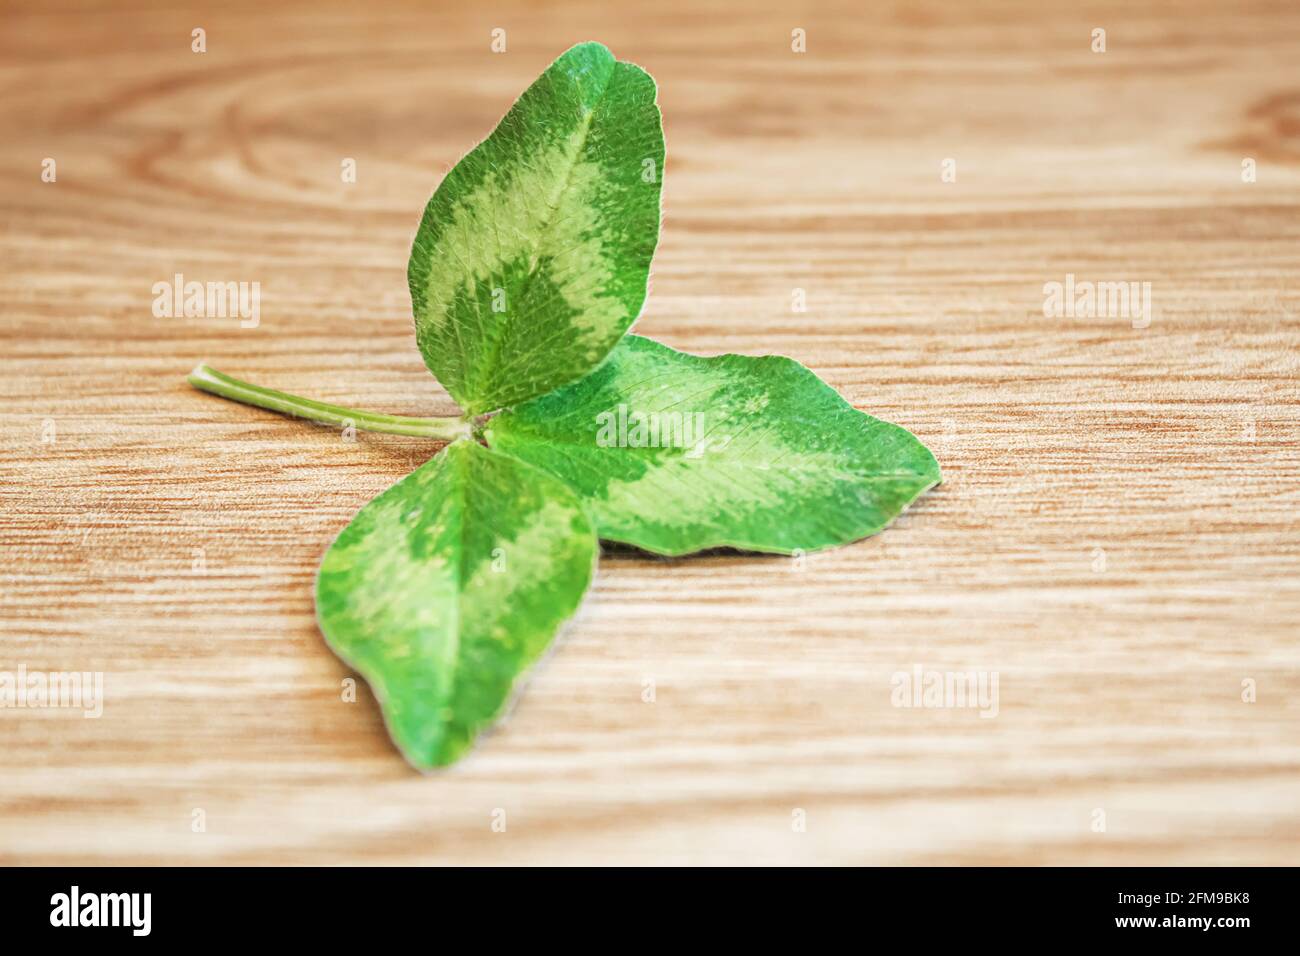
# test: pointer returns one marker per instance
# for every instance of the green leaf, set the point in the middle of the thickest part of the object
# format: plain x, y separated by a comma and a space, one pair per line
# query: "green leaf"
675, 453
533, 255
445, 588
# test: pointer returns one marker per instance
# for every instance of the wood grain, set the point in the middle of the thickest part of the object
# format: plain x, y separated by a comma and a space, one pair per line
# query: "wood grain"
1116, 536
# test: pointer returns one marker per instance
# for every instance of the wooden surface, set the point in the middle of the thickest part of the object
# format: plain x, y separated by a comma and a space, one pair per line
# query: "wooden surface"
1116, 536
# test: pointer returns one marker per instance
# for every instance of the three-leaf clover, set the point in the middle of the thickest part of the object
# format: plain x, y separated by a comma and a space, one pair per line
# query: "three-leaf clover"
529, 266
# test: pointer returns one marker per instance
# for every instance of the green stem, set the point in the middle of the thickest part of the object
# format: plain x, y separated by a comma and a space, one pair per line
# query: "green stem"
210, 380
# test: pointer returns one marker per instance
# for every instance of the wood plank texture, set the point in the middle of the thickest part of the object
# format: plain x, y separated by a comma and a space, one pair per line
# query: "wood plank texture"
1116, 537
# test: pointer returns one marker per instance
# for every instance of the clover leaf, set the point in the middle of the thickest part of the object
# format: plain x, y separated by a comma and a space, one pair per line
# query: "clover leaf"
529, 266
533, 255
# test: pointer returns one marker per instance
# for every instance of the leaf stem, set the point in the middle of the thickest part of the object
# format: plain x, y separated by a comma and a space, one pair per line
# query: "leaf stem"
210, 380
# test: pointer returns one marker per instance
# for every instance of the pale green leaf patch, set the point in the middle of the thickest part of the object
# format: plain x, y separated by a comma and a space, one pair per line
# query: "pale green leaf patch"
443, 590
534, 253
675, 453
